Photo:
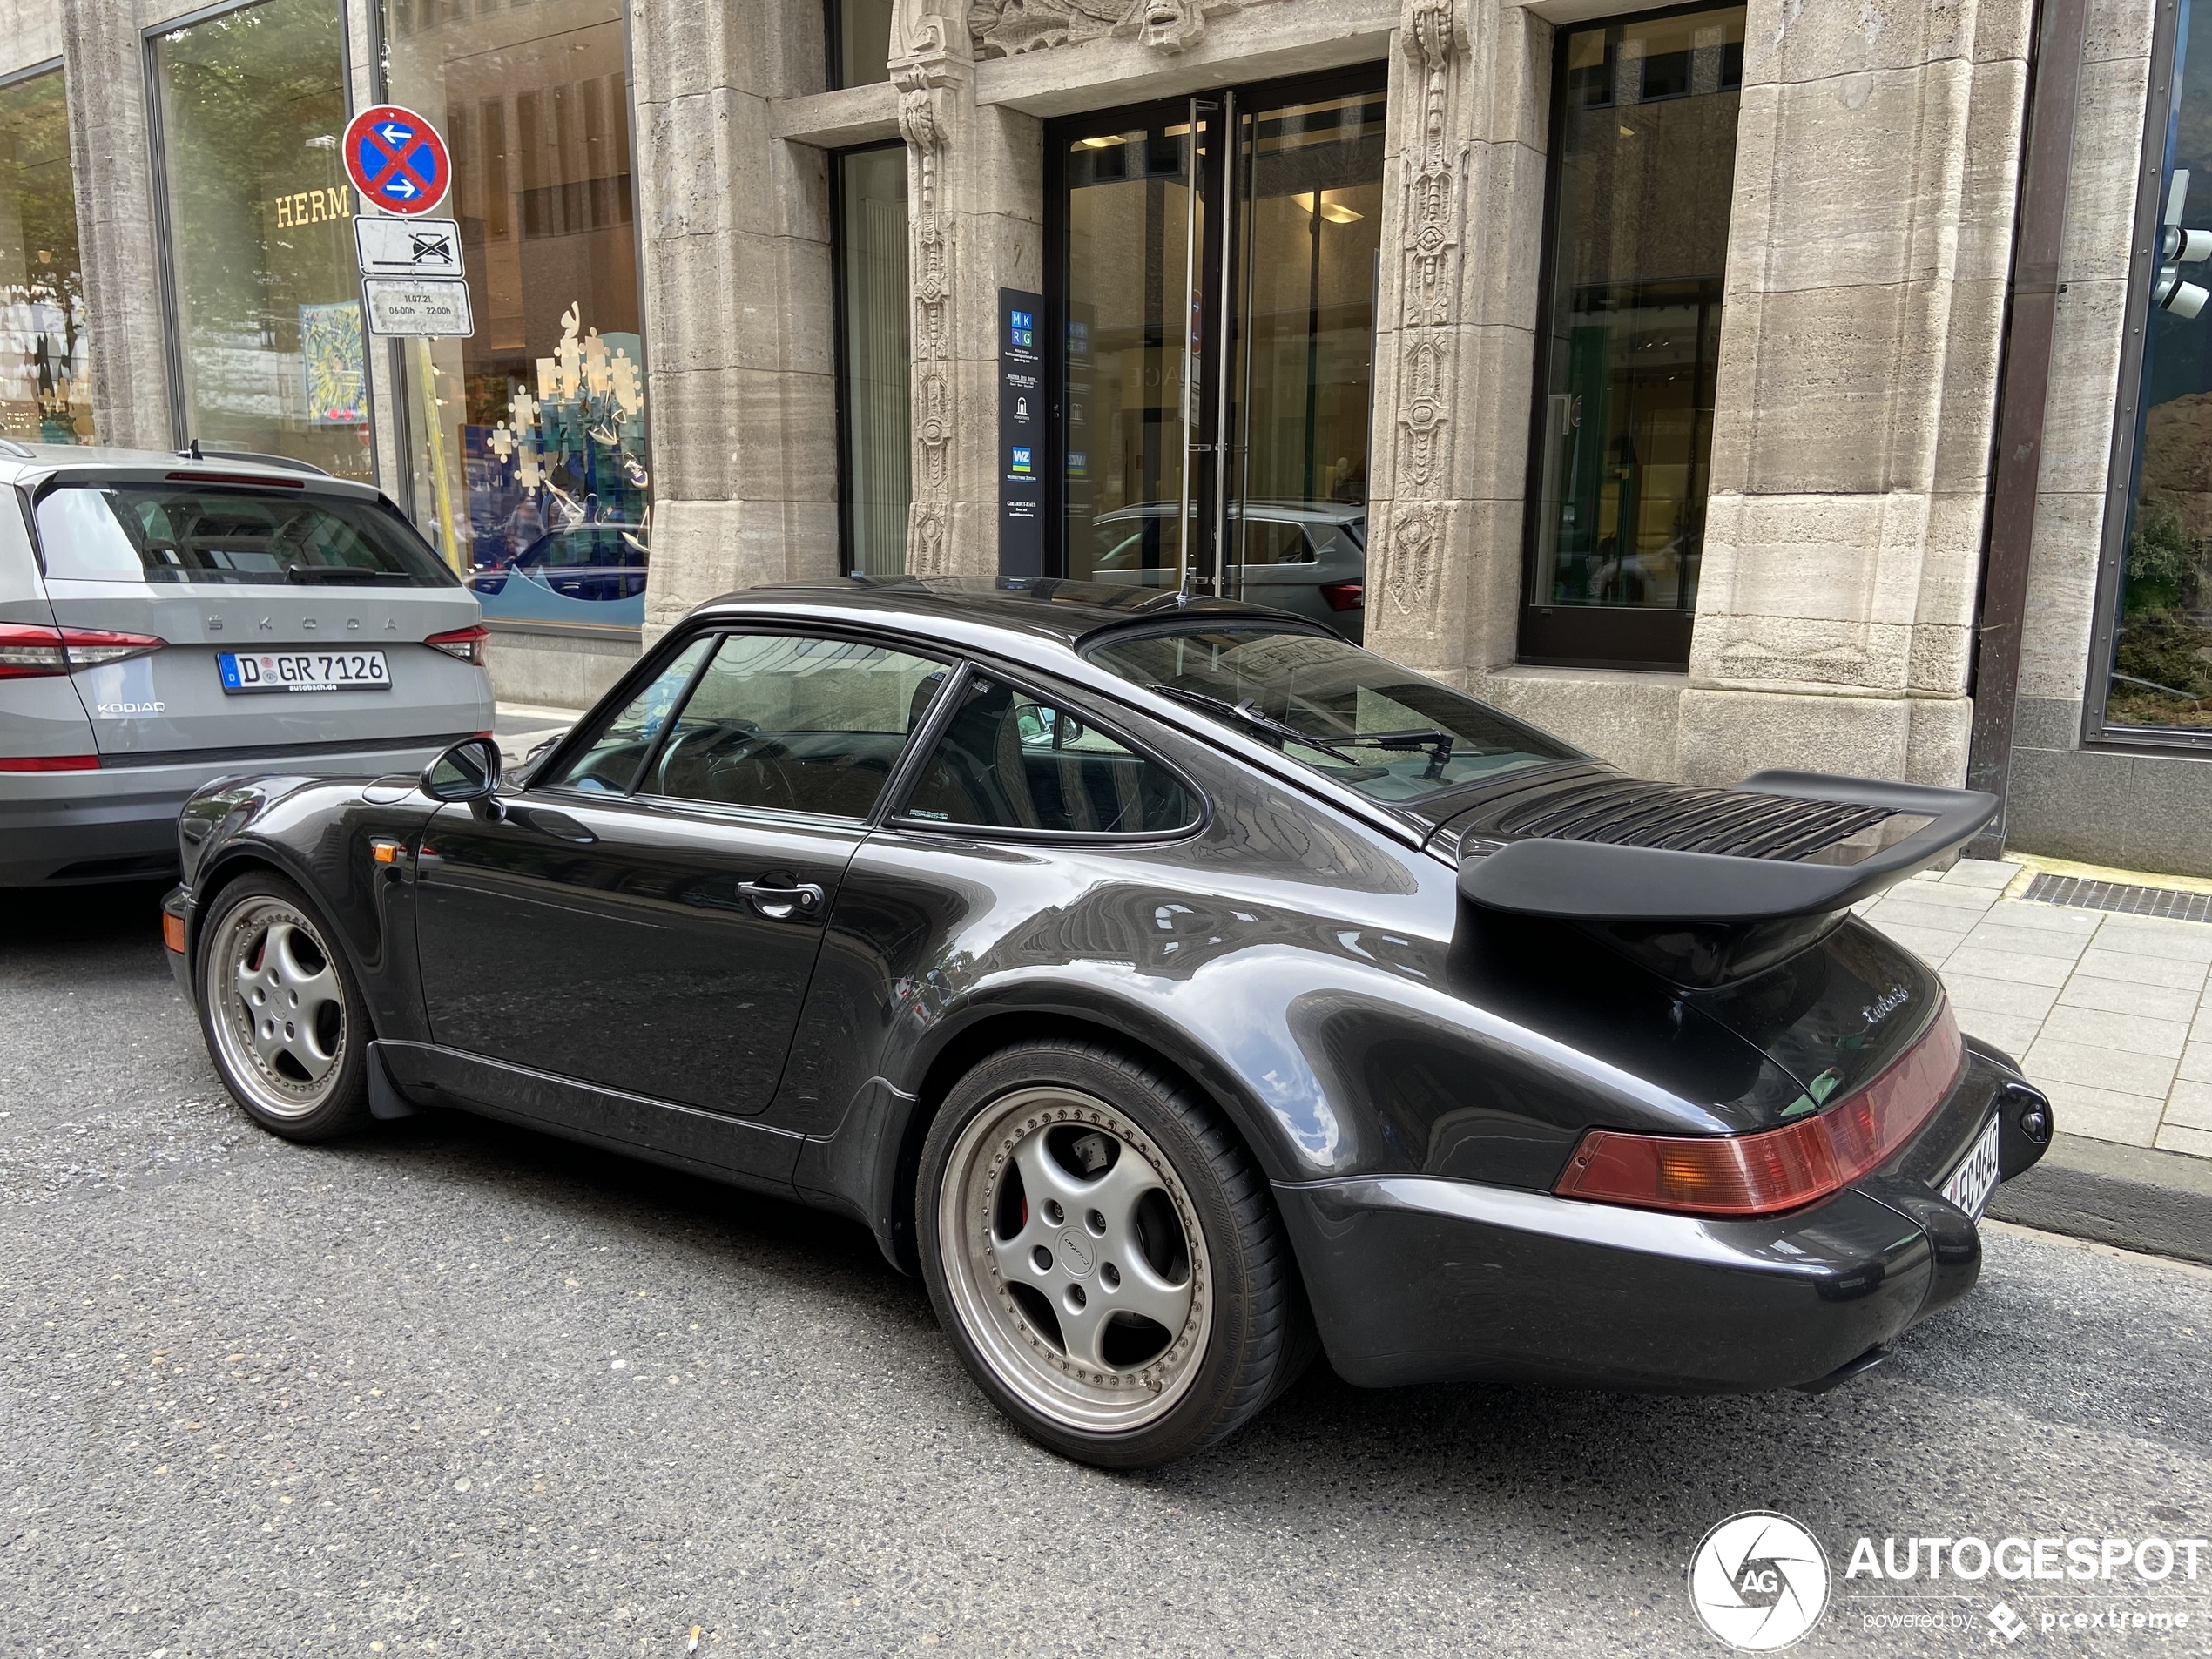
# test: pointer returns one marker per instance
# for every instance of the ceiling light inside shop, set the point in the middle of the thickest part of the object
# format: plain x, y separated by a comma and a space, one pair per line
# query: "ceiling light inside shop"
1338, 213
1109, 141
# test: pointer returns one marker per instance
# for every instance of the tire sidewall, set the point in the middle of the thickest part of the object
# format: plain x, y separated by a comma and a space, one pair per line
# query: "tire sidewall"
346, 1107
1130, 1090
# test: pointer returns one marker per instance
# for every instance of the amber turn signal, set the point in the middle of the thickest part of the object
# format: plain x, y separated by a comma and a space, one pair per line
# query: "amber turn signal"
384, 852
172, 931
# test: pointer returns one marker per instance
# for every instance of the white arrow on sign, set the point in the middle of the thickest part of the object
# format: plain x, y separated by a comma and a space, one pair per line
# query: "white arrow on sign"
393, 133
407, 247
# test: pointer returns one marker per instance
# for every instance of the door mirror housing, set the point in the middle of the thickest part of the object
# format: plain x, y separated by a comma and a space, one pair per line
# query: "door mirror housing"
468, 771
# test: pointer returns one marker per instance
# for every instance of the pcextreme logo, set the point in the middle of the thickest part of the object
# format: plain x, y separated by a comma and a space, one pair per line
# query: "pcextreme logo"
1759, 1581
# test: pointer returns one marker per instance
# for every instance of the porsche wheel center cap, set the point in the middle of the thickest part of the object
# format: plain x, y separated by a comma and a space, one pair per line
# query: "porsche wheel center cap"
1074, 1253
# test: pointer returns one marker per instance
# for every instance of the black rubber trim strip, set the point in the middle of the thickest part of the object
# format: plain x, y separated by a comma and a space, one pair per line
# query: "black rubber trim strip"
278, 751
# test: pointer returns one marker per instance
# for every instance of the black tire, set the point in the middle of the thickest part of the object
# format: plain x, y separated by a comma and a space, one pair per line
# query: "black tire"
993, 1280
298, 1099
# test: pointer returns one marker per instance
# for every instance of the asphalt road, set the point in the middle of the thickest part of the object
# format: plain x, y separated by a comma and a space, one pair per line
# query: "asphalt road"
453, 1388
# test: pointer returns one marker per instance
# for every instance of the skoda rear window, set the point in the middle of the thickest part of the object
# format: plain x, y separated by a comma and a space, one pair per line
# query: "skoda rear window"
1358, 717
128, 532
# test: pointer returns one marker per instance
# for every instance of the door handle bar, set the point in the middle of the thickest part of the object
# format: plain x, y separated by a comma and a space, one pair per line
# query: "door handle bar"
780, 904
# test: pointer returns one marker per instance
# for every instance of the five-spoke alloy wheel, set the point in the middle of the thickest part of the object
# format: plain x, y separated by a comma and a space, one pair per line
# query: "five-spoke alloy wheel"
1107, 1263
284, 1019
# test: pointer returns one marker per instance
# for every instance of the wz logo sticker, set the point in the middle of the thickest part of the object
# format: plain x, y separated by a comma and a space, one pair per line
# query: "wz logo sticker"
1759, 1581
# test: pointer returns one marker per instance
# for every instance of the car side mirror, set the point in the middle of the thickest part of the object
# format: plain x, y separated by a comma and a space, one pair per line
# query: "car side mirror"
468, 771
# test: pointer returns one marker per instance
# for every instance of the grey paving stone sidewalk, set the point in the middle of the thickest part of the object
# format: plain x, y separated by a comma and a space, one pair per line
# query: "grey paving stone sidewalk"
2107, 1014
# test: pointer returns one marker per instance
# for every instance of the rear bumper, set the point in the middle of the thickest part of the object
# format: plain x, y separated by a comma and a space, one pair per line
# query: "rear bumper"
120, 823
1419, 1279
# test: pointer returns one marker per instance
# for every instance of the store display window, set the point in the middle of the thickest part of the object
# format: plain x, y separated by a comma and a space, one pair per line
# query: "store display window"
526, 443
45, 377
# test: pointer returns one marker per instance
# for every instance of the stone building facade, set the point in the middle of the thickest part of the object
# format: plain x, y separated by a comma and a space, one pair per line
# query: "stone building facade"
1796, 500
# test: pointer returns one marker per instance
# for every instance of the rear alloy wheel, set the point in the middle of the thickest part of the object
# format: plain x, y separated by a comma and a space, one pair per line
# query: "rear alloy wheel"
284, 1020
1106, 1260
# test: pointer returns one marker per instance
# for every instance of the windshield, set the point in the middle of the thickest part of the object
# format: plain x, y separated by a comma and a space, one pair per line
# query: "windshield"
133, 532
1348, 713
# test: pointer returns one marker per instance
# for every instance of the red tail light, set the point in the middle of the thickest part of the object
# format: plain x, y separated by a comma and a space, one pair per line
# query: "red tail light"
1344, 596
1774, 1169
50, 763
467, 643
28, 651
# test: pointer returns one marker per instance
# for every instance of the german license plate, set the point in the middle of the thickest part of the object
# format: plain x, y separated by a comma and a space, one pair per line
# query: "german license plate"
304, 671
1970, 1184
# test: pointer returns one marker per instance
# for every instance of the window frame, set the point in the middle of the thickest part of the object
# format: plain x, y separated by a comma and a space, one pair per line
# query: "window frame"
900, 789
1628, 638
2123, 474
649, 669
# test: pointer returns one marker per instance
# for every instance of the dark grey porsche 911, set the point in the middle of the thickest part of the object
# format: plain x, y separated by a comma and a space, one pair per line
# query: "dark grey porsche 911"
1177, 986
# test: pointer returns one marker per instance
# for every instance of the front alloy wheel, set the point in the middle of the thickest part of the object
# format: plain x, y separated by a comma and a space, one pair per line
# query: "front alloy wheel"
284, 1022
1106, 1260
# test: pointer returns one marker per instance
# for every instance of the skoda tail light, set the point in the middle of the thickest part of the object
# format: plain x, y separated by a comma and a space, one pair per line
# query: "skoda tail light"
467, 643
1344, 596
1779, 1169
28, 651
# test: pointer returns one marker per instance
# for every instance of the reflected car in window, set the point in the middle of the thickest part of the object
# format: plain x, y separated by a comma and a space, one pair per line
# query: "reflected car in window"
591, 562
1178, 988
1309, 558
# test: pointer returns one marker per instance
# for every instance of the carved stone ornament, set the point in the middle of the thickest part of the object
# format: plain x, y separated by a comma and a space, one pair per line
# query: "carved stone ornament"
1007, 28
923, 67
1434, 35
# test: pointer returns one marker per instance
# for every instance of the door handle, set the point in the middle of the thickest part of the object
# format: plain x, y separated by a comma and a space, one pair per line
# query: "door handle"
557, 824
782, 903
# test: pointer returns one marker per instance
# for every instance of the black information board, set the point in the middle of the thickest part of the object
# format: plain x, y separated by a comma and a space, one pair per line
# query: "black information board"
1020, 433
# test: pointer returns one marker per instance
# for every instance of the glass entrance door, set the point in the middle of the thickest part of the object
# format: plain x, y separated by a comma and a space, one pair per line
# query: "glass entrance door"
1213, 301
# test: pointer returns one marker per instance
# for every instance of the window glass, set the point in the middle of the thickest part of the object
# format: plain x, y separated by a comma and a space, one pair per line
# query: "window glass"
609, 765
859, 33
534, 428
268, 323
872, 275
1009, 761
163, 533
45, 377
795, 724
2161, 664
1358, 717
1639, 245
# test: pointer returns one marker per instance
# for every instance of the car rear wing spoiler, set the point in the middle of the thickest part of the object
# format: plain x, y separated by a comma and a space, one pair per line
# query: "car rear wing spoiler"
1580, 880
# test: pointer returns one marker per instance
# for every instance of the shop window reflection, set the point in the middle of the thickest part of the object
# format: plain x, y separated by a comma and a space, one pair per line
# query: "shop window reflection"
2161, 670
860, 41
875, 420
527, 442
1639, 243
45, 378
260, 218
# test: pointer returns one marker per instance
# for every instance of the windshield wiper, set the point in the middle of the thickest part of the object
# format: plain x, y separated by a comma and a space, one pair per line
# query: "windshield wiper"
341, 573
1250, 714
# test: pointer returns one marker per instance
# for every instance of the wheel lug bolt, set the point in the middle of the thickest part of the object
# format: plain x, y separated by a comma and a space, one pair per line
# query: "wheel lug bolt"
1110, 1276
1042, 1258
1053, 1212
1075, 1297
1096, 1223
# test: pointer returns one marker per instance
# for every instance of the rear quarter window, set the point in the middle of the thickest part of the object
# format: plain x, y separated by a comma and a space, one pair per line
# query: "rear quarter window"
127, 532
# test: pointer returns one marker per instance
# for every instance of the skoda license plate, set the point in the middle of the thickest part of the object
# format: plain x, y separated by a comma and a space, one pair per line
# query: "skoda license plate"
304, 671
1970, 1184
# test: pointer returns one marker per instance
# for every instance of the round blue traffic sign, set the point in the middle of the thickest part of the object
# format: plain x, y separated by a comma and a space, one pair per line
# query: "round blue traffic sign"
397, 160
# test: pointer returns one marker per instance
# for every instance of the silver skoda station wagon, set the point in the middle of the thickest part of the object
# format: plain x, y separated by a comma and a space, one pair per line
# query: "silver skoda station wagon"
166, 620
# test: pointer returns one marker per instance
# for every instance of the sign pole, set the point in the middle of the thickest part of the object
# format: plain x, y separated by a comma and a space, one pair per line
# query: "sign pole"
426, 371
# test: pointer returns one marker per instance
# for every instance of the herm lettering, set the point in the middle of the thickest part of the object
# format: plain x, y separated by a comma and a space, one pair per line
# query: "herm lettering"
314, 206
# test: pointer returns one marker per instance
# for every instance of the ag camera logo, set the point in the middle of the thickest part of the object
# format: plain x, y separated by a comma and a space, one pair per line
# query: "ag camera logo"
1759, 1581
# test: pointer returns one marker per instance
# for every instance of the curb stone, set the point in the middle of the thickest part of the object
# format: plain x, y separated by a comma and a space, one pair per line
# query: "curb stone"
2133, 1196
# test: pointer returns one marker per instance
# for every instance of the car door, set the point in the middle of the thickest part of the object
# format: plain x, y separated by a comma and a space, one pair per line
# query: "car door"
647, 916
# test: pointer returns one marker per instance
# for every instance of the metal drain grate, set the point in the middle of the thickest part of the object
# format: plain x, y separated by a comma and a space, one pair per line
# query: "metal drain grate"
2119, 896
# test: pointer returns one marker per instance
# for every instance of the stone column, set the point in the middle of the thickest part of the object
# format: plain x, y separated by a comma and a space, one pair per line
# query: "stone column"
976, 215
1876, 162
1455, 333
110, 154
734, 238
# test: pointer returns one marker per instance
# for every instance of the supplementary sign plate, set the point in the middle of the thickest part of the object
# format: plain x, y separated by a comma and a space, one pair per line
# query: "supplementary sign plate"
436, 306
407, 247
